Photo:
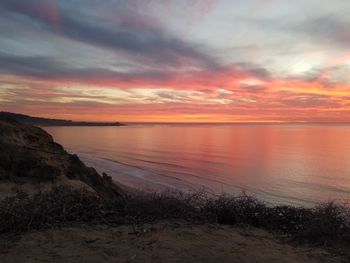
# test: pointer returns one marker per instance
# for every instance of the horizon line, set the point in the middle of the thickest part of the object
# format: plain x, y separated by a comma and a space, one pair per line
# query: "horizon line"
200, 123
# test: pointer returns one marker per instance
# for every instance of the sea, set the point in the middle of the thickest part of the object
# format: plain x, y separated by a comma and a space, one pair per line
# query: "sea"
292, 164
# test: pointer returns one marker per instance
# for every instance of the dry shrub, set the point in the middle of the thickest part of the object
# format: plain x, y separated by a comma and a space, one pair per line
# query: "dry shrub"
62, 205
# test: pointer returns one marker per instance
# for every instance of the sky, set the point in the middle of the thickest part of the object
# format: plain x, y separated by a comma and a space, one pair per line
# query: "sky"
176, 61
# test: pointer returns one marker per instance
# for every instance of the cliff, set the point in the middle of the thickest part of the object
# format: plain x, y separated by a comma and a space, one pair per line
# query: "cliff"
30, 157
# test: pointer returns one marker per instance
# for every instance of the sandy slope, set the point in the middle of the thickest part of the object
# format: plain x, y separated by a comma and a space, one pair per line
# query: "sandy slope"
163, 242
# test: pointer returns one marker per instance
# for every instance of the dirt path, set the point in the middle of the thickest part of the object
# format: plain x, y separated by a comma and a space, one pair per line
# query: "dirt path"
164, 242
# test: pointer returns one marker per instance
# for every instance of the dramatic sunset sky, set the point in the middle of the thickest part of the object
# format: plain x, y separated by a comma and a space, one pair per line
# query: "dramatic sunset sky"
176, 61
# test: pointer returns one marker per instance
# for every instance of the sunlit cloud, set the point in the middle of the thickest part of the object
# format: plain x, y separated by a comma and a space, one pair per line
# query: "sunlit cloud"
197, 61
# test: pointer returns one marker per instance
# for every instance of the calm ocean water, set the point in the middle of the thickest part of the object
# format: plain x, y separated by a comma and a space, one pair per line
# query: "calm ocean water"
289, 164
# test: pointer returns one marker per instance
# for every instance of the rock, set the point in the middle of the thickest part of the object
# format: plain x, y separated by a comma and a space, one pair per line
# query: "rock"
28, 154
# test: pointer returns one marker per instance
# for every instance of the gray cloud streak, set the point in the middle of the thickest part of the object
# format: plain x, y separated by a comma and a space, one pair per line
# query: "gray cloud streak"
142, 41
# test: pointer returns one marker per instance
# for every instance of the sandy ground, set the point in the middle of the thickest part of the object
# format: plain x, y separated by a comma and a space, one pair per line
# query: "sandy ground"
162, 242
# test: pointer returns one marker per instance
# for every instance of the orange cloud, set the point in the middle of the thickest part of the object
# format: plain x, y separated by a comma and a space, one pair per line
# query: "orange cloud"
227, 96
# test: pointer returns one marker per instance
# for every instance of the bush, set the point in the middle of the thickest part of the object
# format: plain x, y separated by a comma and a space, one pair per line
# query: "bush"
64, 205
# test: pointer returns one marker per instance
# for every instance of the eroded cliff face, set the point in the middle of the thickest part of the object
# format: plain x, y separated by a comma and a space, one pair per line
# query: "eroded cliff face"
28, 155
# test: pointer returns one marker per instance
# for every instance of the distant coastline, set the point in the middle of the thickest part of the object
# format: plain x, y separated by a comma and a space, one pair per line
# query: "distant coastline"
53, 122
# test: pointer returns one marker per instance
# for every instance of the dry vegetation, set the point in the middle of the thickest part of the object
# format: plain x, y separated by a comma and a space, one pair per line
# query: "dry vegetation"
324, 224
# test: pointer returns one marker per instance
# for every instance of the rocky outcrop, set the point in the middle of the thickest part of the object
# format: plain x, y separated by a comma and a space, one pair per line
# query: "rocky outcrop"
29, 155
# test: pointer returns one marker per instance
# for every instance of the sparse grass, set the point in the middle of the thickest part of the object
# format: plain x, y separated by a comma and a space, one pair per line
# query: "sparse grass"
329, 222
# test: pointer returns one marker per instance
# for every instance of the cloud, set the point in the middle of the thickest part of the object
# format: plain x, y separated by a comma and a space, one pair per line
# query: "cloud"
310, 101
44, 10
130, 34
333, 28
330, 28
253, 88
133, 59
32, 66
50, 68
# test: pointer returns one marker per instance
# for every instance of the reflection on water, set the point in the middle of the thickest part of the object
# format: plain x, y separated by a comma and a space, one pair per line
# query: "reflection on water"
296, 164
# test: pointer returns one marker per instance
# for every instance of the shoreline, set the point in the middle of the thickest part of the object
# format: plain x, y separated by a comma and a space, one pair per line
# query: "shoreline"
69, 194
140, 183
